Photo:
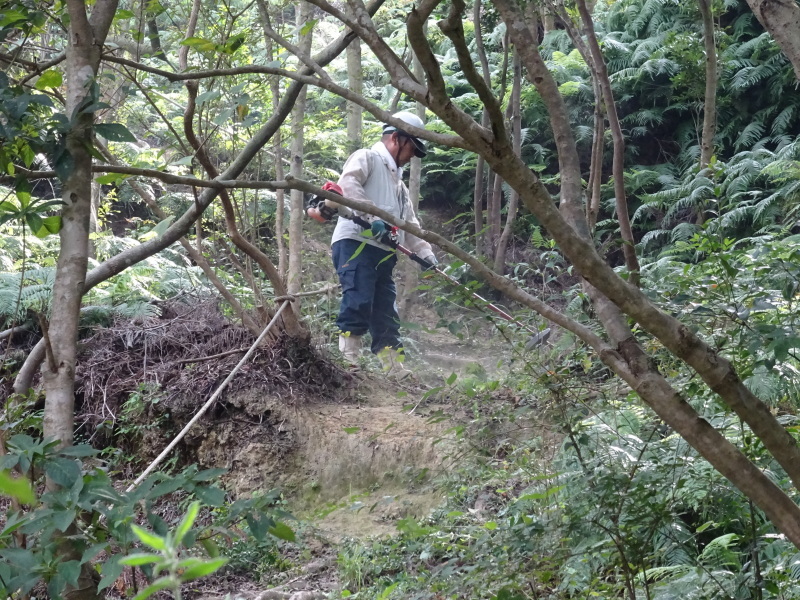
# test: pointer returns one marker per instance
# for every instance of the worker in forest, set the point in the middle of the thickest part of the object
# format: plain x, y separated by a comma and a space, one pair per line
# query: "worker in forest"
374, 175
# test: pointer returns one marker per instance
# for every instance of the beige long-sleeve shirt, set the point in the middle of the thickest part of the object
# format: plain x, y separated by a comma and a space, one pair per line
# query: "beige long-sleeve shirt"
371, 175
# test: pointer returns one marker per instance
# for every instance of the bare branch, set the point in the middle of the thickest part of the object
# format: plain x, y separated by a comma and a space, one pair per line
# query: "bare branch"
453, 28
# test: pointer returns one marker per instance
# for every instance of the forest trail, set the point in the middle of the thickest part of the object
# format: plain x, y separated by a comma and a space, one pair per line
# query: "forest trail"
359, 468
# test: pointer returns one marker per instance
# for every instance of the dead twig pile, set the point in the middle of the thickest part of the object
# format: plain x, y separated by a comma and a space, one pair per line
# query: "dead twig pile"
178, 359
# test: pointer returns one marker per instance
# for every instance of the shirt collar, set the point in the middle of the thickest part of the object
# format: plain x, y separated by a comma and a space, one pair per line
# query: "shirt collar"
381, 149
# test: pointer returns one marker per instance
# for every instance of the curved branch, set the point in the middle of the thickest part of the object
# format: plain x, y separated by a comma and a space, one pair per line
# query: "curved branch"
300, 77
453, 28
291, 324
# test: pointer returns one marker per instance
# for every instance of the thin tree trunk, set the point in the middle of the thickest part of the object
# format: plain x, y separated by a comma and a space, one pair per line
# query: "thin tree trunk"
409, 272
480, 167
516, 137
280, 196
628, 242
295, 273
493, 208
596, 165
355, 81
710, 104
291, 324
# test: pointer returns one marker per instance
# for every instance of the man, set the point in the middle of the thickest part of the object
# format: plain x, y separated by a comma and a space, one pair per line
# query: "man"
374, 175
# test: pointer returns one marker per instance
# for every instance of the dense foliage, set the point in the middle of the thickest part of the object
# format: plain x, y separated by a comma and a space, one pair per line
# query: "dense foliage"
614, 504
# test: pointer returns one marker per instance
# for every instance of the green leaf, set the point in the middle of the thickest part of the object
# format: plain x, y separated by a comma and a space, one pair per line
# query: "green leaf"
199, 44
211, 495
207, 97
62, 471
282, 532
156, 586
203, 568
306, 29
93, 551
80, 451
110, 570
452, 378
490, 525
50, 225
139, 559
154, 541
123, 14
114, 132
259, 525
187, 522
70, 571
109, 178
351, 430
62, 519
16, 487
34, 221
49, 79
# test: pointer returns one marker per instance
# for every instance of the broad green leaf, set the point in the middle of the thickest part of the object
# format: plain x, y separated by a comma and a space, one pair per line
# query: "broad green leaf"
122, 14
109, 178
63, 518
186, 160
93, 551
163, 226
16, 487
50, 225
306, 29
490, 525
282, 532
70, 571
211, 495
208, 96
156, 586
114, 132
34, 221
139, 559
203, 568
200, 44
62, 471
110, 571
187, 522
49, 79
151, 539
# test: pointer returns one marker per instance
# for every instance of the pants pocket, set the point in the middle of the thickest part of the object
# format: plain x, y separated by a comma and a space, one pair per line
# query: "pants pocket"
347, 277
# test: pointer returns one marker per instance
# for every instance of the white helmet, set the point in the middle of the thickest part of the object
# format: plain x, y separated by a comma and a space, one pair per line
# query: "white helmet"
414, 121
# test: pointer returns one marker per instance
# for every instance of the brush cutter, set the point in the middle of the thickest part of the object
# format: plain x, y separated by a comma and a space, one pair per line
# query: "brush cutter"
323, 210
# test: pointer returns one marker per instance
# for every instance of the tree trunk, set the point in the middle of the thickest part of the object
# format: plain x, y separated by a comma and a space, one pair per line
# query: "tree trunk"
409, 271
601, 72
277, 147
781, 18
516, 137
710, 103
493, 207
85, 42
480, 167
295, 272
355, 81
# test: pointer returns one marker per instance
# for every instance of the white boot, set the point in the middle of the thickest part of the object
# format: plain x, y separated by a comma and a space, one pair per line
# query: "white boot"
392, 361
350, 347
